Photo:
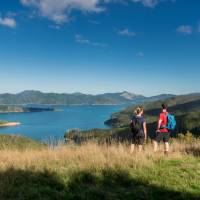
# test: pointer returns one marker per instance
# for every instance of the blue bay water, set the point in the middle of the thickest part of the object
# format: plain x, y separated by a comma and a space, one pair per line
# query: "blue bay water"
43, 125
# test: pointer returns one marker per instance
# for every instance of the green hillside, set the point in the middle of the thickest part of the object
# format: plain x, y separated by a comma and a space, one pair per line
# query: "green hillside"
13, 142
186, 109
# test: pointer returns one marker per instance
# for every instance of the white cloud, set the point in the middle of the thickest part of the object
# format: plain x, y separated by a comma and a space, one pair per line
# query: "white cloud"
7, 21
184, 29
59, 10
127, 33
80, 39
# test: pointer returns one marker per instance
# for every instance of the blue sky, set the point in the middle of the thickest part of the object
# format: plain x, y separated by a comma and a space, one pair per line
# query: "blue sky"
95, 46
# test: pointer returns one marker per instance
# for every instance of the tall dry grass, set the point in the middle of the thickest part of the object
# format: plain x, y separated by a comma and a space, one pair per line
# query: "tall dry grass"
92, 156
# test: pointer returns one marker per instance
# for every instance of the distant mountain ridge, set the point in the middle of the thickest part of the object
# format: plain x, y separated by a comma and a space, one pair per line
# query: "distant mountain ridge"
38, 97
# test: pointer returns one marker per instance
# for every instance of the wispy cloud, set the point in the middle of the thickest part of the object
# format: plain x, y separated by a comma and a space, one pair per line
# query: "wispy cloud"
199, 27
11, 14
94, 22
148, 3
57, 27
8, 21
184, 29
80, 39
140, 54
126, 32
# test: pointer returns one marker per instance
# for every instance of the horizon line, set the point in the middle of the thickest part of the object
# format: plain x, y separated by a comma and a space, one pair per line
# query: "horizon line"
100, 93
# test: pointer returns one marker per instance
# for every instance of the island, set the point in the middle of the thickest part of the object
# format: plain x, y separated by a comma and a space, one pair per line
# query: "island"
22, 109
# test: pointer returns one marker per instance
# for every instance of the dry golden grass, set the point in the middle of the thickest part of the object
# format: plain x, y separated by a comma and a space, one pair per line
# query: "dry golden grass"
91, 156
92, 171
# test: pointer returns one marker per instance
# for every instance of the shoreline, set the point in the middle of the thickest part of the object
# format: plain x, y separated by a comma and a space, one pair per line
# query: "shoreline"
6, 112
7, 124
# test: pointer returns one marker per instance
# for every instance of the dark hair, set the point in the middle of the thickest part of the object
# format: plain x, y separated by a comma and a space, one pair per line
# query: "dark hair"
164, 106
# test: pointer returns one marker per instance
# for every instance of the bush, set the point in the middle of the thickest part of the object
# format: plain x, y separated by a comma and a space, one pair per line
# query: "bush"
188, 137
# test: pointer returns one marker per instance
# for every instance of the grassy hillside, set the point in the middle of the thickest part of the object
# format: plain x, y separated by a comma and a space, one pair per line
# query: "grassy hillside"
185, 108
13, 142
99, 172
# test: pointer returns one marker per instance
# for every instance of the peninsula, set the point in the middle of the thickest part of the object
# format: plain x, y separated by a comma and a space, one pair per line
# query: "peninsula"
5, 123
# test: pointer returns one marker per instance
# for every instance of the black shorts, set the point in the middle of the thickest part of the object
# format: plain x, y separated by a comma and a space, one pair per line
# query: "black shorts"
138, 139
162, 136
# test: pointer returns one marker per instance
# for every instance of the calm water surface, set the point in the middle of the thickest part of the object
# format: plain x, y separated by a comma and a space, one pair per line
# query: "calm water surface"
42, 125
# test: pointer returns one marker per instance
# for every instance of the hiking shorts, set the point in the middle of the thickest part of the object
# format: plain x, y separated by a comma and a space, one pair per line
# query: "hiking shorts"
138, 139
164, 136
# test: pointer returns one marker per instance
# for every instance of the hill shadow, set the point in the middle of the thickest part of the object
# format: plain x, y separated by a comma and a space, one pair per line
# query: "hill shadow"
29, 185
83, 185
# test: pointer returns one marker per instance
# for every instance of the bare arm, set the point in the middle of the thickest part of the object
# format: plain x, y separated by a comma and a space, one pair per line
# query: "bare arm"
145, 130
159, 125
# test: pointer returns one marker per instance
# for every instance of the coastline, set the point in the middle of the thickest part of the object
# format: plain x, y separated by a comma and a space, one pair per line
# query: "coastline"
6, 112
6, 124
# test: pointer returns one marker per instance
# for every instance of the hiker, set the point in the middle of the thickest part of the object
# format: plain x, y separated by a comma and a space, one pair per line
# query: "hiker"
138, 129
166, 123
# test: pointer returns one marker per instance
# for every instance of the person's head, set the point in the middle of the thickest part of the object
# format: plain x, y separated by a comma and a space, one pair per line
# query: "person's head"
164, 107
139, 110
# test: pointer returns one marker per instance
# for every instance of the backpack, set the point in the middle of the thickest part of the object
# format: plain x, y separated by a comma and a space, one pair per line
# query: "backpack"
171, 122
136, 126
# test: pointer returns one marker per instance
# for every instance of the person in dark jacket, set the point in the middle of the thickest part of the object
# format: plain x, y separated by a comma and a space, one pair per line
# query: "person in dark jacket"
138, 129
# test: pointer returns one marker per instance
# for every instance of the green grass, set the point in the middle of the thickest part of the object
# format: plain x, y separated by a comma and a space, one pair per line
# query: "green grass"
165, 181
30, 171
13, 142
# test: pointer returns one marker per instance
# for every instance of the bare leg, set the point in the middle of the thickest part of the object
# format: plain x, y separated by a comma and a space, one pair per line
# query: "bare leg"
132, 148
155, 146
140, 148
166, 147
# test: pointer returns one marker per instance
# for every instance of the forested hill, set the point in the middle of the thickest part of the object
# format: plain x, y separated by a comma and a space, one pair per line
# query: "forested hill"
186, 108
37, 97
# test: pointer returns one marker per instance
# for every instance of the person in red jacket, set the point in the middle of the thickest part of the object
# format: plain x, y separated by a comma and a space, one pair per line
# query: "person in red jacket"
162, 133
